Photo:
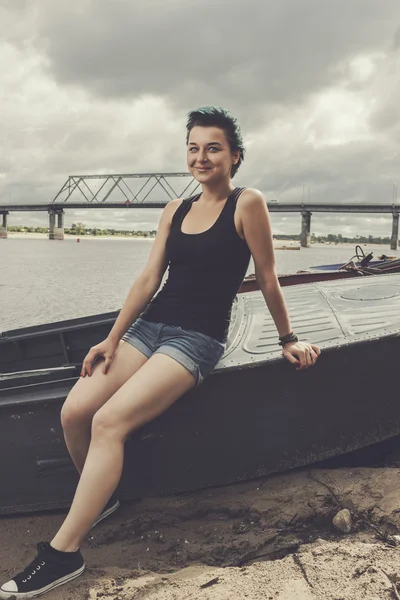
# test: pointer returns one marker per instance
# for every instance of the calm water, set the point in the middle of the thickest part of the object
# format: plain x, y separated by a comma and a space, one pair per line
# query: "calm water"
43, 281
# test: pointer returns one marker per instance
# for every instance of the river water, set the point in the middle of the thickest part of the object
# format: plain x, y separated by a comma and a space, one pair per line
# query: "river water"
44, 281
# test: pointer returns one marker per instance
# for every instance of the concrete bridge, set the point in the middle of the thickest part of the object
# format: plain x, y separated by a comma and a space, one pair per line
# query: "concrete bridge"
80, 184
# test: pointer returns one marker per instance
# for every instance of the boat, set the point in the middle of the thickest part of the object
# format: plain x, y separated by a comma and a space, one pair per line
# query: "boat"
359, 265
254, 416
64, 343
363, 264
298, 247
374, 267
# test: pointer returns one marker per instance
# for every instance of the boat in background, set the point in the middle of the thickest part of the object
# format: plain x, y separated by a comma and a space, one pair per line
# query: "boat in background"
363, 265
297, 247
255, 415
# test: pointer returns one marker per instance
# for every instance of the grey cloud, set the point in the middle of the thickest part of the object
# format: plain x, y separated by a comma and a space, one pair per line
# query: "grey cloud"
396, 41
78, 72
256, 51
385, 119
355, 172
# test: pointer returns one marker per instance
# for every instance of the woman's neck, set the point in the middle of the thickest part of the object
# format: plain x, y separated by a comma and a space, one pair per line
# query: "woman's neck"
216, 193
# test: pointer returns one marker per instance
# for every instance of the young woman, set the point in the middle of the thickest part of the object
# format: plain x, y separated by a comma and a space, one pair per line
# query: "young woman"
161, 347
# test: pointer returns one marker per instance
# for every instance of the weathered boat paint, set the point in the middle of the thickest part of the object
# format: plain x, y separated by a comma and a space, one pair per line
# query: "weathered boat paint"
255, 415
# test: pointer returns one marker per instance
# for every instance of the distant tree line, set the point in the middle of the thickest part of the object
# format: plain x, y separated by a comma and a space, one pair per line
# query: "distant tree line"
337, 238
81, 229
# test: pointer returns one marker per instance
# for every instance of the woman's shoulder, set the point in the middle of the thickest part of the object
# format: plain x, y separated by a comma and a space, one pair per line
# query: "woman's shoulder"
172, 205
251, 193
250, 197
177, 207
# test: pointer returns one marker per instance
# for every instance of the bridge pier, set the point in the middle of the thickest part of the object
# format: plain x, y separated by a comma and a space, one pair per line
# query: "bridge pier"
56, 233
3, 227
395, 232
305, 236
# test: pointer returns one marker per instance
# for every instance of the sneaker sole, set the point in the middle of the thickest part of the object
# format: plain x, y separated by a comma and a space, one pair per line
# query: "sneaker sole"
36, 593
106, 513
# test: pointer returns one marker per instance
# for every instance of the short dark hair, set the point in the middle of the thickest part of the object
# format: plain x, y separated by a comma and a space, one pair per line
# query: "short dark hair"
216, 116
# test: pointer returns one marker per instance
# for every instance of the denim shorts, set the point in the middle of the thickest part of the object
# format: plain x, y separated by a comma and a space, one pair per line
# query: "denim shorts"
197, 352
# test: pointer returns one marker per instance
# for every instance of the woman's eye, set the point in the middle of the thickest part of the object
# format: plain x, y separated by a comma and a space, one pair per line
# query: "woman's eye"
194, 149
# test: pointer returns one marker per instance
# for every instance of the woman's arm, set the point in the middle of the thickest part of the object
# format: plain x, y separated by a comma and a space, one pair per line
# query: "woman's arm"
148, 282
256, 227
139, 295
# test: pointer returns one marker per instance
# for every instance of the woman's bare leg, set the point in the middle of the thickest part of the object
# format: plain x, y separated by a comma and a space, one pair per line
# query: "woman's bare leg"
89, 394
148, 393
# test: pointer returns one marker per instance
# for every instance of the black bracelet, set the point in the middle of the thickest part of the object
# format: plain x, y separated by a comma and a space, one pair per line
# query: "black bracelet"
290, 338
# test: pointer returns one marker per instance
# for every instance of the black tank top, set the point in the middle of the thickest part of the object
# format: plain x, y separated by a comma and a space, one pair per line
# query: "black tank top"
205, 272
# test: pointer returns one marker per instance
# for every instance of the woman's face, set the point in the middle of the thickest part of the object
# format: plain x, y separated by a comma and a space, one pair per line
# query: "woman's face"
209, 156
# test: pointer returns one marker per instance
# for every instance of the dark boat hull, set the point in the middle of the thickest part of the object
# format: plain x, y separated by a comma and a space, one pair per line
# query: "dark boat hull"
240, 424
254, 416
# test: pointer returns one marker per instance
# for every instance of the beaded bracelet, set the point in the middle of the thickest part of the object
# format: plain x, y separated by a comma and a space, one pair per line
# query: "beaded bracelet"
290, 338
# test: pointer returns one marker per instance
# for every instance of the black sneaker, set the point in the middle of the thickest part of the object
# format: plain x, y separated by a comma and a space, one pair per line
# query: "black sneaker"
110, 507
50, 569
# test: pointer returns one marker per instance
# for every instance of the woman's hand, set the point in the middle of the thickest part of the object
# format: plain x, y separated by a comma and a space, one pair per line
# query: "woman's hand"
106, 349
302, 354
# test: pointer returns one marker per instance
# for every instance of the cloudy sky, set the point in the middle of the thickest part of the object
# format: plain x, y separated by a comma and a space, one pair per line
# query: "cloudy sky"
103, 86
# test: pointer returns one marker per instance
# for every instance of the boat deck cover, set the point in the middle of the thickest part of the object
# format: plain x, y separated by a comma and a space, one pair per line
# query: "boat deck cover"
330, 314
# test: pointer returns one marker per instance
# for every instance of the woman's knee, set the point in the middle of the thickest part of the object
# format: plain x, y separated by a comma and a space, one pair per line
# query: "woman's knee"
73, 412
105, 425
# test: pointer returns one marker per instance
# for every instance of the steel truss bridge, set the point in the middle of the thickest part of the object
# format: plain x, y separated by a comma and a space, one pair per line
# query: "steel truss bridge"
116, 191
82, 185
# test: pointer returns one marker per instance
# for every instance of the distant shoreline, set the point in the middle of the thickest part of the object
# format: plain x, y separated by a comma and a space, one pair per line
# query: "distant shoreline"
45, 236
279, 244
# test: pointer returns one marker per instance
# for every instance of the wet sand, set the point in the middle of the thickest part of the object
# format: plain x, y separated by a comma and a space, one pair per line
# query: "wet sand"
263, 539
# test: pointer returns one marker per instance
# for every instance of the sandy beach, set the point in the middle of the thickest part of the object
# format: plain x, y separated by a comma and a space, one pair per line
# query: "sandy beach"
44, 236
278, 244
270, 539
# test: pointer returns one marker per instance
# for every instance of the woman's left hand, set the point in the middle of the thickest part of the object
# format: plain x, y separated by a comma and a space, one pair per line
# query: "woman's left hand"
302, 354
